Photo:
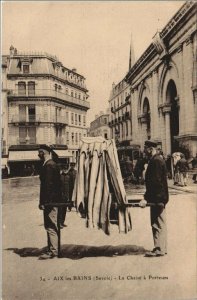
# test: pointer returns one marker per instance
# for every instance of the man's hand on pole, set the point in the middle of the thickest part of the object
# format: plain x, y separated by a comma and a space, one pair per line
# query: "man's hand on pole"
41, 207
142, 203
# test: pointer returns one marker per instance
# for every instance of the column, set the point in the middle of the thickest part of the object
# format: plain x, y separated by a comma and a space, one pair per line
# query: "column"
143, 129
189, 103
26, 114
166, 111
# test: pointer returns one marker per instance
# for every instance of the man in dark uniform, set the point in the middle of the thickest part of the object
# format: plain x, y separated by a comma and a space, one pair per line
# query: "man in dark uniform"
156, 193
72, 175
50, 192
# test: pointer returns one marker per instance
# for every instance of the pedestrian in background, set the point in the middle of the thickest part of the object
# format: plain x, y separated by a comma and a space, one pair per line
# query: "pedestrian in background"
183, 167
65, 188
72, 175
139, 168
50, 192
194, 167
169, 166
156, 193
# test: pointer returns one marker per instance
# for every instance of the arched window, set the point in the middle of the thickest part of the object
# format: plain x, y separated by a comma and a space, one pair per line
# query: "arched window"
22, 88
31, 88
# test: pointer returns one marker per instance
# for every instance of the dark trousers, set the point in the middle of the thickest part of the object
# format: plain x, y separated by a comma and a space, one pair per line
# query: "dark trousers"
62, 213
159, 229
50, 224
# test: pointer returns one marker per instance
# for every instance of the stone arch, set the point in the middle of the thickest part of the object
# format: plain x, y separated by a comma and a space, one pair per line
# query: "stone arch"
172, 102
169, 72
143, 93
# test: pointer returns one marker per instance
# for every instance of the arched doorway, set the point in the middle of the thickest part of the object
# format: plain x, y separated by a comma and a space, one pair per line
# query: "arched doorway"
171, 97
146, 115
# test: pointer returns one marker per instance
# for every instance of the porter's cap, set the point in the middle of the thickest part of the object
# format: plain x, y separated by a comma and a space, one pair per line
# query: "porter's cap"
150, 143
45, 147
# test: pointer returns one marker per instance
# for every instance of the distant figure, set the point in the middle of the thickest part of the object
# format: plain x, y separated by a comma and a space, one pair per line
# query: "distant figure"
182, 166
72, 175
33, 170
65, 187
138, 170
194, 167
129, 169
50, 192
169, 166
123, 169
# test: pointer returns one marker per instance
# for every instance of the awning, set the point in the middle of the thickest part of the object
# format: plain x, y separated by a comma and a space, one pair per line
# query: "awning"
23, 155
135, 148
63, 153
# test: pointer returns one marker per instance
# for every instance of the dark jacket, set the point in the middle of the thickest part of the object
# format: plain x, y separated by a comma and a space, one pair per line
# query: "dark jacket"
65, 189
156, 181
72, 175
50, 184
182, 165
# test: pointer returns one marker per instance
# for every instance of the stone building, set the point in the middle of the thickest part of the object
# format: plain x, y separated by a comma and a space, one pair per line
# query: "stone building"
46, 103
99, 127
120, 107
163, 86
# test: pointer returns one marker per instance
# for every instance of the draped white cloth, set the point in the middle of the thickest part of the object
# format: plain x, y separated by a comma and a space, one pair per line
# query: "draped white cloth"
98, 178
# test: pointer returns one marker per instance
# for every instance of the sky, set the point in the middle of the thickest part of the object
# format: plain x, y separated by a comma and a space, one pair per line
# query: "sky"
92, 36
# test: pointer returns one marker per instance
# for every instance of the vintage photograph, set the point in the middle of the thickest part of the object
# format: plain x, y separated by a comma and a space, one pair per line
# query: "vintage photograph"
99, 150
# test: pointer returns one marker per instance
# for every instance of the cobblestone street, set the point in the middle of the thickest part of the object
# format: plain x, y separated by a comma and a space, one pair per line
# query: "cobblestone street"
94, 265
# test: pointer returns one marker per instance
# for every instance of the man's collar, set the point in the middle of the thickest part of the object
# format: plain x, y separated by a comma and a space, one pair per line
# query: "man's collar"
46, 161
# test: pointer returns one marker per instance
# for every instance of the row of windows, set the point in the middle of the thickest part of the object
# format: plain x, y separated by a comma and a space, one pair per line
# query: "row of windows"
22, 88
30, 86
58, 88
119, 101
77, 119
28, 112
28, 135
78, 80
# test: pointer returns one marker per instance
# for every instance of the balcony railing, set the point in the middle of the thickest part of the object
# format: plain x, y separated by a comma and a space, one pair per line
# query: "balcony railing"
53, 94
39, 119
24, 141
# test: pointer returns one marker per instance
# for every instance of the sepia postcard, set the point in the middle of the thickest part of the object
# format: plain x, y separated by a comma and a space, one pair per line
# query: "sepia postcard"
89, 89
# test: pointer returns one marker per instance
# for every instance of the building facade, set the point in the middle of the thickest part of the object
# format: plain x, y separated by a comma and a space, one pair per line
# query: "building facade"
163, 86
46, 104
99, 127
120, 112
4, 113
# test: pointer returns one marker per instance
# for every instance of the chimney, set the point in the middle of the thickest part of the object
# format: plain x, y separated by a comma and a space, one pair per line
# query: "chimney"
74, 70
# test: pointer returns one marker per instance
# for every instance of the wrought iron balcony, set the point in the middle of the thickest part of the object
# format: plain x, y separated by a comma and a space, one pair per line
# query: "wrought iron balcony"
23, 119
37, 119
48, 93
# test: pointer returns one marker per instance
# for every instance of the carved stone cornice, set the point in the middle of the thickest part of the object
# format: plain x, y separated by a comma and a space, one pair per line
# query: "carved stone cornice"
189, 40
180, 48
